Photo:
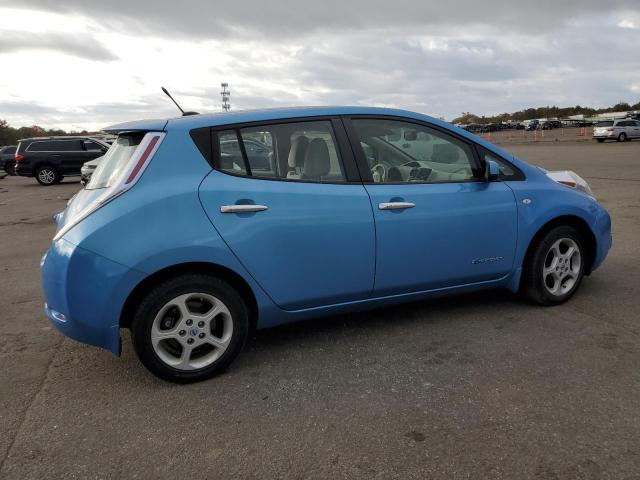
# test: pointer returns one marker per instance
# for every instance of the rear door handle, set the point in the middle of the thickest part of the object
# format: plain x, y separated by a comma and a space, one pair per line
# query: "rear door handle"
395, 205
242, 208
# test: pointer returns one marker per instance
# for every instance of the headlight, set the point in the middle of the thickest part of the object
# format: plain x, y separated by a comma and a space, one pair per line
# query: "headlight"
570, 179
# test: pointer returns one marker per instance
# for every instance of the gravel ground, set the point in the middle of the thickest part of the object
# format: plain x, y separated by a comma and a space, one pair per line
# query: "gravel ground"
478, 386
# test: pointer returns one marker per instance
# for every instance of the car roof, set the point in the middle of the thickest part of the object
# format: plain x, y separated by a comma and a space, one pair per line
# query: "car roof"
54, 138
245, 116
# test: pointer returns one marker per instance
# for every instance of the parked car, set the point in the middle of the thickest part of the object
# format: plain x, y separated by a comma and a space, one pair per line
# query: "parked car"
532, 125
7, 159
50, 159
88, 168
193, 254
620, 130
551, 124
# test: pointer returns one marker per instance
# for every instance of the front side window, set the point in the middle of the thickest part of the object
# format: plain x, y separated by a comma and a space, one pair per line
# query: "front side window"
92, 146
398, 152
508, 172
301, 151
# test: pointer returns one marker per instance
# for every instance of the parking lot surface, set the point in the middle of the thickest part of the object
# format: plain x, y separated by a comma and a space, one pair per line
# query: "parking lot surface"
479, 386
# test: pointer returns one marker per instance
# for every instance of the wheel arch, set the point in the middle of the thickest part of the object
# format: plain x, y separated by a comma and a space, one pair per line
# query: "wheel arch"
219, 271
571, 221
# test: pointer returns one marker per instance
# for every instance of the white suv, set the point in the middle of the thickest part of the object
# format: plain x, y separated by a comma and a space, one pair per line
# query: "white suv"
620, 130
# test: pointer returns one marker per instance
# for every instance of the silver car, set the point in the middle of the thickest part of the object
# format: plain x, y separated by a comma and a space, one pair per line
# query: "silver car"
620, 130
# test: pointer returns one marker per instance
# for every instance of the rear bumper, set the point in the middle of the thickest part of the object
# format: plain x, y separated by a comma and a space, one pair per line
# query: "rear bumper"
85, 293
23, 170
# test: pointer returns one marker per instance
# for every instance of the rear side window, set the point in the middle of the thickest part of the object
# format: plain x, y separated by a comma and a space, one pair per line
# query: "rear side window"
115, 161
55, 146
8, 150
40, 147
301, 151
604, 124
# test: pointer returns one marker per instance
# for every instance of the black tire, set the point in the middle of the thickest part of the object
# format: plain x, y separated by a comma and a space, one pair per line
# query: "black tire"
47, 175
533, 284
622, 137
159, 296
10, 168
600, 140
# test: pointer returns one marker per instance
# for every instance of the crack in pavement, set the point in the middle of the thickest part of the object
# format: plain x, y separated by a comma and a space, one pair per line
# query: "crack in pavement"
34, 397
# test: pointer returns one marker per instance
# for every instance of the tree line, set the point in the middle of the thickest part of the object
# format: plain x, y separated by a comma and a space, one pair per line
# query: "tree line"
10, 135
543, 112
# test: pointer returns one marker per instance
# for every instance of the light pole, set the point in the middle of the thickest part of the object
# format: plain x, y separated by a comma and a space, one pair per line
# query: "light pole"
225, 93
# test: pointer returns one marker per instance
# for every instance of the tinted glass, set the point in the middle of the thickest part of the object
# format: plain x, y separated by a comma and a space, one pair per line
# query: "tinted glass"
399, 151
41, 147
115, 161
92, 146
604, 124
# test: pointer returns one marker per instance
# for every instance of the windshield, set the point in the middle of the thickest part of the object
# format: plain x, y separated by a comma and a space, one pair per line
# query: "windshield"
604, 124
115, 161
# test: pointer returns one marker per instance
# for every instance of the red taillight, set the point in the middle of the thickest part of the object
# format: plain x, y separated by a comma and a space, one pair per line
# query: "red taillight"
609, 129
19, 158
143, 159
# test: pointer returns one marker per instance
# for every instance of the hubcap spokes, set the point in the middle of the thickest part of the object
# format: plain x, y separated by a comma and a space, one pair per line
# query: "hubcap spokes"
562, 265
47, 176
191, 331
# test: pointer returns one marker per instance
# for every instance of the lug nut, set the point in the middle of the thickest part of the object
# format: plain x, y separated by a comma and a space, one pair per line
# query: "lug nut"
190, 341
201, 335
182, 333
201, 324
189, 322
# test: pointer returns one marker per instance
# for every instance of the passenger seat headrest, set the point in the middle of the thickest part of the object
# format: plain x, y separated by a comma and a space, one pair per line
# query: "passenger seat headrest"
298, 151
317, 162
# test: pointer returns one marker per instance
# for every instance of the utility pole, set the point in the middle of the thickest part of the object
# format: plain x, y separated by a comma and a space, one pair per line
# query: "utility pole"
225, 93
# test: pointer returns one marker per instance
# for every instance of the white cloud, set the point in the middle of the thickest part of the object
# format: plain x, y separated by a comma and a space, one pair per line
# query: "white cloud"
82, 68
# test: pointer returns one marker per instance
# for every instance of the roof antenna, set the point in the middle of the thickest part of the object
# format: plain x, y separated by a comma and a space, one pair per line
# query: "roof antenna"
184, 114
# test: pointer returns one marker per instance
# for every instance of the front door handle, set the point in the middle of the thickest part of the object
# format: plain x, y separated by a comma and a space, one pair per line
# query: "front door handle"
395, 205
242, 208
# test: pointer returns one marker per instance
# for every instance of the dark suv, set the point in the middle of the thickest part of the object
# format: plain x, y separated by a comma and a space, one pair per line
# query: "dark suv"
49, 159
7, 158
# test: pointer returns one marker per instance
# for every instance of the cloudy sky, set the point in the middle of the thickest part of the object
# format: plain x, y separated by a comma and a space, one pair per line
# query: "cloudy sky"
85, 64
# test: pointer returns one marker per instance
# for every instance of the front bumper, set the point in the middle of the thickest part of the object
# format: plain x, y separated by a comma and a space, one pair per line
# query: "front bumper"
85, 293
604, 237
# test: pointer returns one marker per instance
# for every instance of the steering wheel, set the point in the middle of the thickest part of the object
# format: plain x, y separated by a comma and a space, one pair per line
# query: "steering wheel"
379, 173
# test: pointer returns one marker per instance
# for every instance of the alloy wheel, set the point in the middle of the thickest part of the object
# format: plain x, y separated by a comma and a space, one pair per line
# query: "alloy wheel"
46, 176
191, 331
562, 265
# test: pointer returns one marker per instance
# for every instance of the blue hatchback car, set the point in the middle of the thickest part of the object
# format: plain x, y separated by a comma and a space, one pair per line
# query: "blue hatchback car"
194, 230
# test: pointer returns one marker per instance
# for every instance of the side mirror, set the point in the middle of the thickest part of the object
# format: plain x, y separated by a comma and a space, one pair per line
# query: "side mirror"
493, 171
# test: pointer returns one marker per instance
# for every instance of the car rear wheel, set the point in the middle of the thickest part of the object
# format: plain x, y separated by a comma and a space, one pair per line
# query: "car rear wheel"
10, 168
554, 269
47, 175
189, 328
622, 137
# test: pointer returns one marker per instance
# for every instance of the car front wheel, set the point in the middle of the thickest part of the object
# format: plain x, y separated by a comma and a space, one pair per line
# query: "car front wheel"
189, 328
554, 269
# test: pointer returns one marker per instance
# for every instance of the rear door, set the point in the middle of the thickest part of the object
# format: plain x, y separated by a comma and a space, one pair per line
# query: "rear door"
300, 223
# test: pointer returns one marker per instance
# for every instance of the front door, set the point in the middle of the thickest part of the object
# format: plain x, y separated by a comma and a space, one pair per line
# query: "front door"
296, 222
438, 224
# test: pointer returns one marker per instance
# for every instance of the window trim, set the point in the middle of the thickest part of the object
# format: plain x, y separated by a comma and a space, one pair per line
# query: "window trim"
343, 149
478, 167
